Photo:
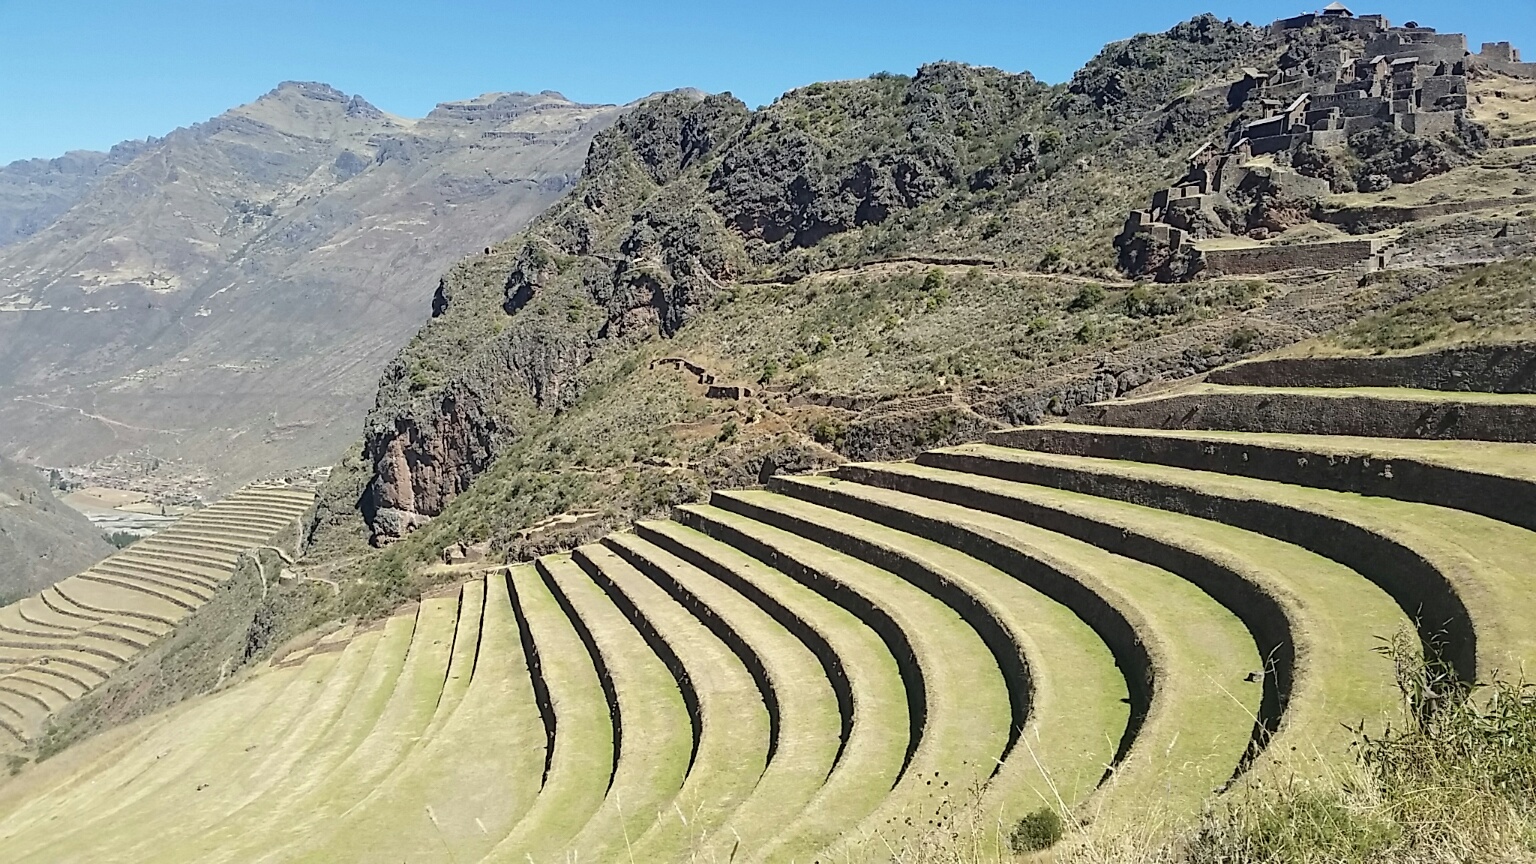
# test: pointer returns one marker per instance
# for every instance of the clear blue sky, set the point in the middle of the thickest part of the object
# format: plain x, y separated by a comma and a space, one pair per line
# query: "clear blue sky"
89, 74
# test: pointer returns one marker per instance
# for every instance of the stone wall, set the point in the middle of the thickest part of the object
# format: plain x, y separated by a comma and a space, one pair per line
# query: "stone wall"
1345, 255
1400, 478
1430, 598
1388, 215
1476, 368
1286, 413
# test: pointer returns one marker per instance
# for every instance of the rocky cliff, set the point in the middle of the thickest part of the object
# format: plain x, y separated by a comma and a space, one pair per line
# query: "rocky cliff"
225, 295
689, 201
41, 539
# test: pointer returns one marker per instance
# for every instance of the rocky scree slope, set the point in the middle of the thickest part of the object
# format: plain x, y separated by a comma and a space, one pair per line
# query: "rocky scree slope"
690, 203
225, 294
41, 539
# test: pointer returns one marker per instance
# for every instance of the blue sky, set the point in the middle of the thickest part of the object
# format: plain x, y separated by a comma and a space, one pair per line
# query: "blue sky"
89, 74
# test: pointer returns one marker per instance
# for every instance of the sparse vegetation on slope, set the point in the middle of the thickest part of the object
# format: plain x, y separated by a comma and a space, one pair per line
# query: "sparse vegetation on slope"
695, 215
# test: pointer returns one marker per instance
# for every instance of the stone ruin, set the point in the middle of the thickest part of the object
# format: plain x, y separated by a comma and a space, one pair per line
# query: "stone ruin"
1410, 78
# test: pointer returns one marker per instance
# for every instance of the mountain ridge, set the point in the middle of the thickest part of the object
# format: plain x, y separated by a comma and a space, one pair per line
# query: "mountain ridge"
1008, 192
220, 296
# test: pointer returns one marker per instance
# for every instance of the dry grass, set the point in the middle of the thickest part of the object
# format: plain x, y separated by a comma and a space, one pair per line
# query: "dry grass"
1507, 106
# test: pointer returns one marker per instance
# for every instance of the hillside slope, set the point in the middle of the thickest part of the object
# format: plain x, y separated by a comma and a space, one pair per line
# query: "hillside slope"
691, 204
861, 270
36, 192
41, 539
224, 294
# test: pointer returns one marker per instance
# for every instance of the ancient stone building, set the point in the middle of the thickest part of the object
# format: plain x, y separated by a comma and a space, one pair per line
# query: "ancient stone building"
1371, 75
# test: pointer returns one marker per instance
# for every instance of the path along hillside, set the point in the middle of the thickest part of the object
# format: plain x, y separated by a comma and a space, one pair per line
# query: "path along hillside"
1163, 599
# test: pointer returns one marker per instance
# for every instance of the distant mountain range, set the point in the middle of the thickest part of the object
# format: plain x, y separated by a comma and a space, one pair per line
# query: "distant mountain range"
226, 295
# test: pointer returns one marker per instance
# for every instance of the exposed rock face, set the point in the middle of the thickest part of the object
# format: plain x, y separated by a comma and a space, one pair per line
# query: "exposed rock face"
427, 444
227, 294
416, 469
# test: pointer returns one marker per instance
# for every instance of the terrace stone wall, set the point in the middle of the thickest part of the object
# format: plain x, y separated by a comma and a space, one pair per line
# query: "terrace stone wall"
1475, 368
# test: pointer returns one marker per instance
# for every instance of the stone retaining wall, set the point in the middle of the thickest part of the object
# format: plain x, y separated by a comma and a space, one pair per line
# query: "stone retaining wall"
1428, 597
1252, 261
1502, 498
1480, 368
1306, 414
1388, 215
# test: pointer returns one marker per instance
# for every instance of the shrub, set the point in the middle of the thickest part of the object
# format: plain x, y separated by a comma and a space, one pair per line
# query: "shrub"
829, 431
121, 539
1143, 302
1087, 298
1242, 338
1454, 779
1037, 831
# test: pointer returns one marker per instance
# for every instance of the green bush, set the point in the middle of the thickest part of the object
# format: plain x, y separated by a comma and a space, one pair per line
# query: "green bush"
1037, 831
1242, 338
1087, 298
1454, 779
121, 539
829, 431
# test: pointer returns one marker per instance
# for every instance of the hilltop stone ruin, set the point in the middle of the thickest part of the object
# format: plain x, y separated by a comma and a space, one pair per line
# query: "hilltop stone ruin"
1341, 76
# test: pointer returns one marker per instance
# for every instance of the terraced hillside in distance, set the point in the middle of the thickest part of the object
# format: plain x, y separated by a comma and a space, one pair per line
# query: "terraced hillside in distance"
61, 643
1119, 617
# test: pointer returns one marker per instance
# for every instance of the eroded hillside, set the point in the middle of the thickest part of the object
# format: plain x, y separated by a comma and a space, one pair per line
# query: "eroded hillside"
42, 540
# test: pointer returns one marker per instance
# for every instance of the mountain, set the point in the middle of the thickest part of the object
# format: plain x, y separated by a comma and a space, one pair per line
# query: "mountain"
34, 193
786, 250
41, 539
225, 295
868, 268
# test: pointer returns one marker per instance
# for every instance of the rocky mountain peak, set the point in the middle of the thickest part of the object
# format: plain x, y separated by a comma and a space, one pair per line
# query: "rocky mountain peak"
263, 237
315, 90
498, 107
